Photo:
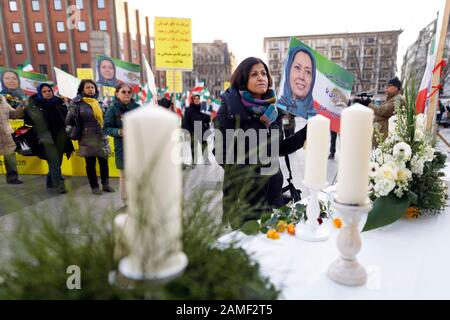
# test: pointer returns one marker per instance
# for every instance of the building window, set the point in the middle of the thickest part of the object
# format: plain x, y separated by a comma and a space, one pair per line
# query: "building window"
35, 5
57, 5
336, 53
16, 27
13, 6
102, 25
38, 27
41, 47
370, 40
83, 46
101, 4
43, 69
62, 47
65, 67
60, 26
19, 47
369, 51
79, 4
81, 25
274, 45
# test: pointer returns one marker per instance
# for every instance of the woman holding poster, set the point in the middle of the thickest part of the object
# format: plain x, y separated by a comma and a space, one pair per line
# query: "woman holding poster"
248, 109
299, 78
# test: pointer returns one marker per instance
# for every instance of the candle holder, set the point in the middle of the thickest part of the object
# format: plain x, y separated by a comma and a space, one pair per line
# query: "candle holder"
346, 269
311, 230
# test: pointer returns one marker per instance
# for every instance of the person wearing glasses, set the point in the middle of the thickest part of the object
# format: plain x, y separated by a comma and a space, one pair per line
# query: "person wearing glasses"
93, 144
123, 102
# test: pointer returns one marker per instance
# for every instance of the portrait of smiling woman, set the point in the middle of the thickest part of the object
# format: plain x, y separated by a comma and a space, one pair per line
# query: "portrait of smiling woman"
297, 87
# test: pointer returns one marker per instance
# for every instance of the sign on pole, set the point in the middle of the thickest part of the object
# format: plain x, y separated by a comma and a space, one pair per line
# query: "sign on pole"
173, 44
178, 81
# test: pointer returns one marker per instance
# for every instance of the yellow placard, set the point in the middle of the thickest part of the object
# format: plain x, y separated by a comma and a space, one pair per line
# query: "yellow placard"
109, 91
226, 85
178, 81
173, 44
85, 73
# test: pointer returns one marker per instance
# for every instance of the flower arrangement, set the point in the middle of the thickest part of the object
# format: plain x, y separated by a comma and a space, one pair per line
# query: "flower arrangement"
405, 170
282, 220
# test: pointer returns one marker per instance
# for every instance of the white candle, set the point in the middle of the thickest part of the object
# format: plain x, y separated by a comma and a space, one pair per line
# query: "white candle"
317, 148
154, 188
354, 159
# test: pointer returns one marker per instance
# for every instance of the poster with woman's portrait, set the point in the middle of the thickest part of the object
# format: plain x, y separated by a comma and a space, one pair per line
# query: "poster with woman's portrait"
311, 84
109, 72
17, 83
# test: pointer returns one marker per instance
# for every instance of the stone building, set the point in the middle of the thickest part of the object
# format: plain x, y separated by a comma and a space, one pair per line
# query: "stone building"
415, 59
370, 56
212, 65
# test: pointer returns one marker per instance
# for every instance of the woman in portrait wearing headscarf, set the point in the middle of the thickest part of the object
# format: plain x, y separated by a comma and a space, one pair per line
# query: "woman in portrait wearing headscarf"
10, 81
106, 70
299, 80
46, 113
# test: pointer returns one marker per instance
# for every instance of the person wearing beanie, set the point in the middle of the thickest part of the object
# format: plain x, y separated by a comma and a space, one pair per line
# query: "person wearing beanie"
387, 108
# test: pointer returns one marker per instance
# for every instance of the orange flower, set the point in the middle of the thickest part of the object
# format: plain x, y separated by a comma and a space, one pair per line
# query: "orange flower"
337, 223
273, 234
291, 229
281, 226
412, 212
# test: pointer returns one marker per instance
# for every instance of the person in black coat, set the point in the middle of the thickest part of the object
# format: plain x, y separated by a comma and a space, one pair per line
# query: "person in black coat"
194, 116
46, 113
249, 105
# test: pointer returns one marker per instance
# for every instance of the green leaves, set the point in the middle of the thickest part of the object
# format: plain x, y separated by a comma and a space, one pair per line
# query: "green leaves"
251, 228
386, 210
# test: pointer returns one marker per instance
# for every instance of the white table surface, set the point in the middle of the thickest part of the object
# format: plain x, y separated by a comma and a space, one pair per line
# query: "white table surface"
409, 259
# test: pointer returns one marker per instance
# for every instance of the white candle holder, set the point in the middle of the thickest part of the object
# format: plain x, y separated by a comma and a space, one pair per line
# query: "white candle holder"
311, 230
346, 269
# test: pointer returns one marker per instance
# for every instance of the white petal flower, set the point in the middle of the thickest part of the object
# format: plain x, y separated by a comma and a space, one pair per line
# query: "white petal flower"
373, 170
403, 174
387, 172
402, 151
383, 187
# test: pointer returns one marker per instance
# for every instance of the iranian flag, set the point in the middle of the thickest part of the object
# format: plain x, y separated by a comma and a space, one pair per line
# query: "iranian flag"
149, 92
423, 97
26, 66
29, 81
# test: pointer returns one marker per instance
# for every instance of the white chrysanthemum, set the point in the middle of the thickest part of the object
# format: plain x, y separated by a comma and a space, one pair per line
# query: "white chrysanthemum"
383, 187
387, 172
417, 165
402, 151
403, 174
373, 170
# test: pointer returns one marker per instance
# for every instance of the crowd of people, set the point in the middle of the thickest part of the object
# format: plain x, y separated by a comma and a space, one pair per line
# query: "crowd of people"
249, 104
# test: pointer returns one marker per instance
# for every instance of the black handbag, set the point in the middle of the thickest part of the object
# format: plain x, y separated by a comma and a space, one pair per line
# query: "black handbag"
76, 131
25, 139
295, 195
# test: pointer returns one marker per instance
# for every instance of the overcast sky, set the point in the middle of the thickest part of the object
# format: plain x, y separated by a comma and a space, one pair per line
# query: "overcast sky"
245, 23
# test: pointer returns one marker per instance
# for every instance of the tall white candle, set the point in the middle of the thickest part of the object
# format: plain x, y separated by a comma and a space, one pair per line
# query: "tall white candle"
354, 159
154, 188
317, 148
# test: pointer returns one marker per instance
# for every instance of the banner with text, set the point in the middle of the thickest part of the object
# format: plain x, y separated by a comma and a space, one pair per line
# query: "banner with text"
173, 44
178, 81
